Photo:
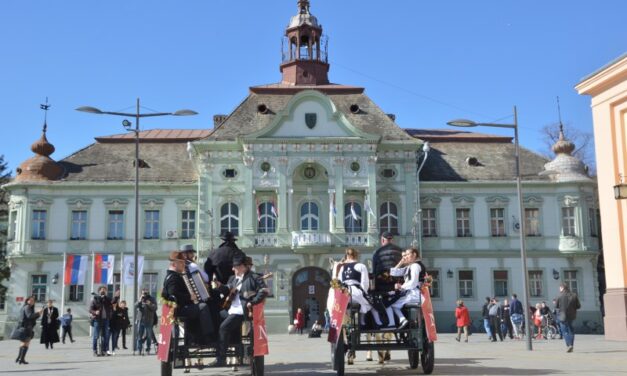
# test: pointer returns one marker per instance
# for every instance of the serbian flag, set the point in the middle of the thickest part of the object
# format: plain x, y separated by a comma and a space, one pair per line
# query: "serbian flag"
260, 342
75, 269
258, 212
103, 269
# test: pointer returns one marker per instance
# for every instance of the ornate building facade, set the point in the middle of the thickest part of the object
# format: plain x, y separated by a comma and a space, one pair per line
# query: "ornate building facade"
299, 171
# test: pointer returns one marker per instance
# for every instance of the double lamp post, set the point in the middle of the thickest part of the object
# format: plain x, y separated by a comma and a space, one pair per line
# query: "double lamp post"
521, 219
127, 125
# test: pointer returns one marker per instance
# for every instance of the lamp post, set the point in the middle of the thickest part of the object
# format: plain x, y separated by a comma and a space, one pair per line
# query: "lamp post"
417, 220
127, 125
523, 253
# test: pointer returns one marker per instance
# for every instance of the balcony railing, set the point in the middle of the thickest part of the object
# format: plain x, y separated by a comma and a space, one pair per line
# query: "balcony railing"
305, 239
266, 240
358, 238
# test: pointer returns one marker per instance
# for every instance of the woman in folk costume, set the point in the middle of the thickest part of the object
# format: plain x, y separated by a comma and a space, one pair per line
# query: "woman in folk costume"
413, 271
355, 275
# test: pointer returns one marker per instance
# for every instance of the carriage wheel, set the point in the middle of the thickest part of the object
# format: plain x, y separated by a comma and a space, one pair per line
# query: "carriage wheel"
256, 365
337, 355
427, 358
414, 358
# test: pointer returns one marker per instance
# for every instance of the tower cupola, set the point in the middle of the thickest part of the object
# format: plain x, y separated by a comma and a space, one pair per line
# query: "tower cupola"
304, 50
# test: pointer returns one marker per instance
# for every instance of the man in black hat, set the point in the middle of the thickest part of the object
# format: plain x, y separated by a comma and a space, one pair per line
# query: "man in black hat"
189, 253
175, 290
219, 264
244, 289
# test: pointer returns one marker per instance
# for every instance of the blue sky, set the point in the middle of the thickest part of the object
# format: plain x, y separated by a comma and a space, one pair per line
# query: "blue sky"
426, 61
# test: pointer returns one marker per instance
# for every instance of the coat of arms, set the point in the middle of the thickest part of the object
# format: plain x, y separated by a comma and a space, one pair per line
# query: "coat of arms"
310, 120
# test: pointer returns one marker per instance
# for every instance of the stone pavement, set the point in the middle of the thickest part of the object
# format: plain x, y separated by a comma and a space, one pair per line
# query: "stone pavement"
302, 356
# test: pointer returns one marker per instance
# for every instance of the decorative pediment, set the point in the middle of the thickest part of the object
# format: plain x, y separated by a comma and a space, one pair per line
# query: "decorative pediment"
430, 200
152, 202
40, 201
79, 202
533, 200
116, 202
463, 200
187, 203
497, 200
229, 191
568, 200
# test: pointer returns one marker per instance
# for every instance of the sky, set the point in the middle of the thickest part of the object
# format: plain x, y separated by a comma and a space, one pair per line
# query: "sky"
426, 61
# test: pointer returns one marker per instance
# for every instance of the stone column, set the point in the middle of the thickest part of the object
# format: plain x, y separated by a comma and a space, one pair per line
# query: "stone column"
249, 211
372, 196
282, 196
339, 194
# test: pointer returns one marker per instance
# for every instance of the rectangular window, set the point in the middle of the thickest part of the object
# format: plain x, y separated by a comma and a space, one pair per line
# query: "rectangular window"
188, 224
466, 281
500, 283
115, 286
532, 222
535, 283
592, 220
429, 223
568, 222
39, 225
435, 283
116, 225
570, 279
39, 285
149, 281
12, 225
151, 224
3, 300
462, 217
77, 293
79, 225
497, 221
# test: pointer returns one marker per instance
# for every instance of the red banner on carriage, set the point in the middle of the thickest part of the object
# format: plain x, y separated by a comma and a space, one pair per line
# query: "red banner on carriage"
427, 313
165, 333
340, 302
260, 342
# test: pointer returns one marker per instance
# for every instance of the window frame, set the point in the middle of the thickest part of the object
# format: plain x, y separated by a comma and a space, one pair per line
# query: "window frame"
120, 224
498, 224
350, 222
309, 217
76, 293
506, 282
540, 280
389, 216
41, 226
80, 232
152, 224
267, 222
188, 225
528, 222
40, 285
576, 280
472, 284
430, 232
569, 223
230, 218
149, 284
468, 232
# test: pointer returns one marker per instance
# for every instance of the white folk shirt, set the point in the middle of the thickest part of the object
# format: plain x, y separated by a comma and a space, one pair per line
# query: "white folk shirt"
236, 306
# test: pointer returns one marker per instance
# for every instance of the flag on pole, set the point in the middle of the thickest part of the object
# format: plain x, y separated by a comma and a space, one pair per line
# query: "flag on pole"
332, 208
129, 269
367, 207
258, 212
274, 210
75, 269
353, 212
103, 269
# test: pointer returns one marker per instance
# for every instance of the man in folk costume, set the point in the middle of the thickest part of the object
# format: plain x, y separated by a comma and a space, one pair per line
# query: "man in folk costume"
413, 271
189, 253
219, 264
355, 275
243, 290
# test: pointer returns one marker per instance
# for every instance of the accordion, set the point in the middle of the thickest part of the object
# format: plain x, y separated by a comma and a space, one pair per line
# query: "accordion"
196, 286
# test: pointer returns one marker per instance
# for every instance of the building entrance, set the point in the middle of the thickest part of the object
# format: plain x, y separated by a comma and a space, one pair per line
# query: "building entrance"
310, 288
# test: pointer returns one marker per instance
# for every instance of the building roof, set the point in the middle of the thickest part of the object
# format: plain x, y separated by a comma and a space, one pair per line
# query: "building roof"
441, 135
246, 119
158, 135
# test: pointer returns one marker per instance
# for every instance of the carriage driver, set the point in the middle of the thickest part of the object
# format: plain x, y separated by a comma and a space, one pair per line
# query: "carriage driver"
175, 290
413, 271
355, 275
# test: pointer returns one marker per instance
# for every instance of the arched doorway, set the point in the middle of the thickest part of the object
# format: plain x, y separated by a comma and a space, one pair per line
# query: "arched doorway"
310, 288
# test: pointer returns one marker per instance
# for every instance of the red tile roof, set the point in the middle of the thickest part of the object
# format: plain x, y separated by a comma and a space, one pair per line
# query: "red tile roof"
157, 135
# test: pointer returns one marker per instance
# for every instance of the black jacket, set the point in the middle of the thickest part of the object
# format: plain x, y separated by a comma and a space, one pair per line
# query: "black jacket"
485, 313
219, 264
175, 290
120, 319
102, 303
567, 304
50, 320
28, 316
383, 259
254, 289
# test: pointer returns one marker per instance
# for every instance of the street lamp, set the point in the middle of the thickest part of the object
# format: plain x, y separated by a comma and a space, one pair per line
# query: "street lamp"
127, 125
523, 253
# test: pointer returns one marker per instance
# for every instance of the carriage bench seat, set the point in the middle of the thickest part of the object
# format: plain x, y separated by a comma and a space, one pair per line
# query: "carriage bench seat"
354, 306
412, 305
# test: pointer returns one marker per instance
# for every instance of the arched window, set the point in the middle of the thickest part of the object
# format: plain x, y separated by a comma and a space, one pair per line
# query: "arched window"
388, 221
309, 217
229, 218
266, 217
353, 221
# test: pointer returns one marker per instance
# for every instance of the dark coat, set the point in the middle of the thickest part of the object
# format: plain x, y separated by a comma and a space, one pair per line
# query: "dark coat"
28, 318
146, 311
120, 319
49, 326
100, 303
219, 264
567, 304
383, 259
253, 290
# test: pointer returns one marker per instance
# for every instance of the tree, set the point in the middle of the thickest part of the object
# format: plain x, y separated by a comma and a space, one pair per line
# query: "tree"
5, 271
584, 144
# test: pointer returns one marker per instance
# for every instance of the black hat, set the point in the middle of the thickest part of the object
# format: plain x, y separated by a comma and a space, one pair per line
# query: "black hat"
239, 260
387, 235
227, 236
187, 248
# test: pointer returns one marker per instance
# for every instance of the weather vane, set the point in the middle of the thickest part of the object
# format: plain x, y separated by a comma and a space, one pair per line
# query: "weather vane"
45, 107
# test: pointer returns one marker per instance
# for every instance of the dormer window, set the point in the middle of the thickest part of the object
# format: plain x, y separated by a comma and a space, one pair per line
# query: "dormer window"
229, 173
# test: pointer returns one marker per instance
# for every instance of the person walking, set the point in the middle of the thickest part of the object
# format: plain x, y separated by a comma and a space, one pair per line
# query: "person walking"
506, 320
24, 331
517, 315
494, 311
486, 317
145, 312
463, 320
567, 304
100, 313
299, 320
49, 325
66, 325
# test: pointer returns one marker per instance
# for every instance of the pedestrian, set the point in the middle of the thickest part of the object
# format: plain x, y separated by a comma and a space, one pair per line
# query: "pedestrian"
145, 311
567, 303
327, 320
24, 331
506, 320
49, 325
66, 325
100, 314
556, 318
463, 320
120, 323
494, 310
537, 320
517, 315
486, 317
299, 320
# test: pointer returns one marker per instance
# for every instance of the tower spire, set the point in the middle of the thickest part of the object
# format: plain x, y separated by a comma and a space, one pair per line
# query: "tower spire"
45, 107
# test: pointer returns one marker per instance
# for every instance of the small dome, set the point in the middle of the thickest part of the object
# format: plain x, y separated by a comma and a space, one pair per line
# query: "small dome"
565, 167
42, 146
40, 167
303, 17
563, 146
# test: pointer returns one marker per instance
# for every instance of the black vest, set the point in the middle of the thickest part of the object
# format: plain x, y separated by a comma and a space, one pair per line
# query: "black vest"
349, 272
421, 275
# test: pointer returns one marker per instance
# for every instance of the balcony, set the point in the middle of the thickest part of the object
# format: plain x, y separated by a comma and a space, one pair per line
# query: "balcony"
357, 239
308, 239
266, 240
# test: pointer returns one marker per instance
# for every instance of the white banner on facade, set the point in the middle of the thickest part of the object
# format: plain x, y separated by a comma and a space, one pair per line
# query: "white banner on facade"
129, 269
